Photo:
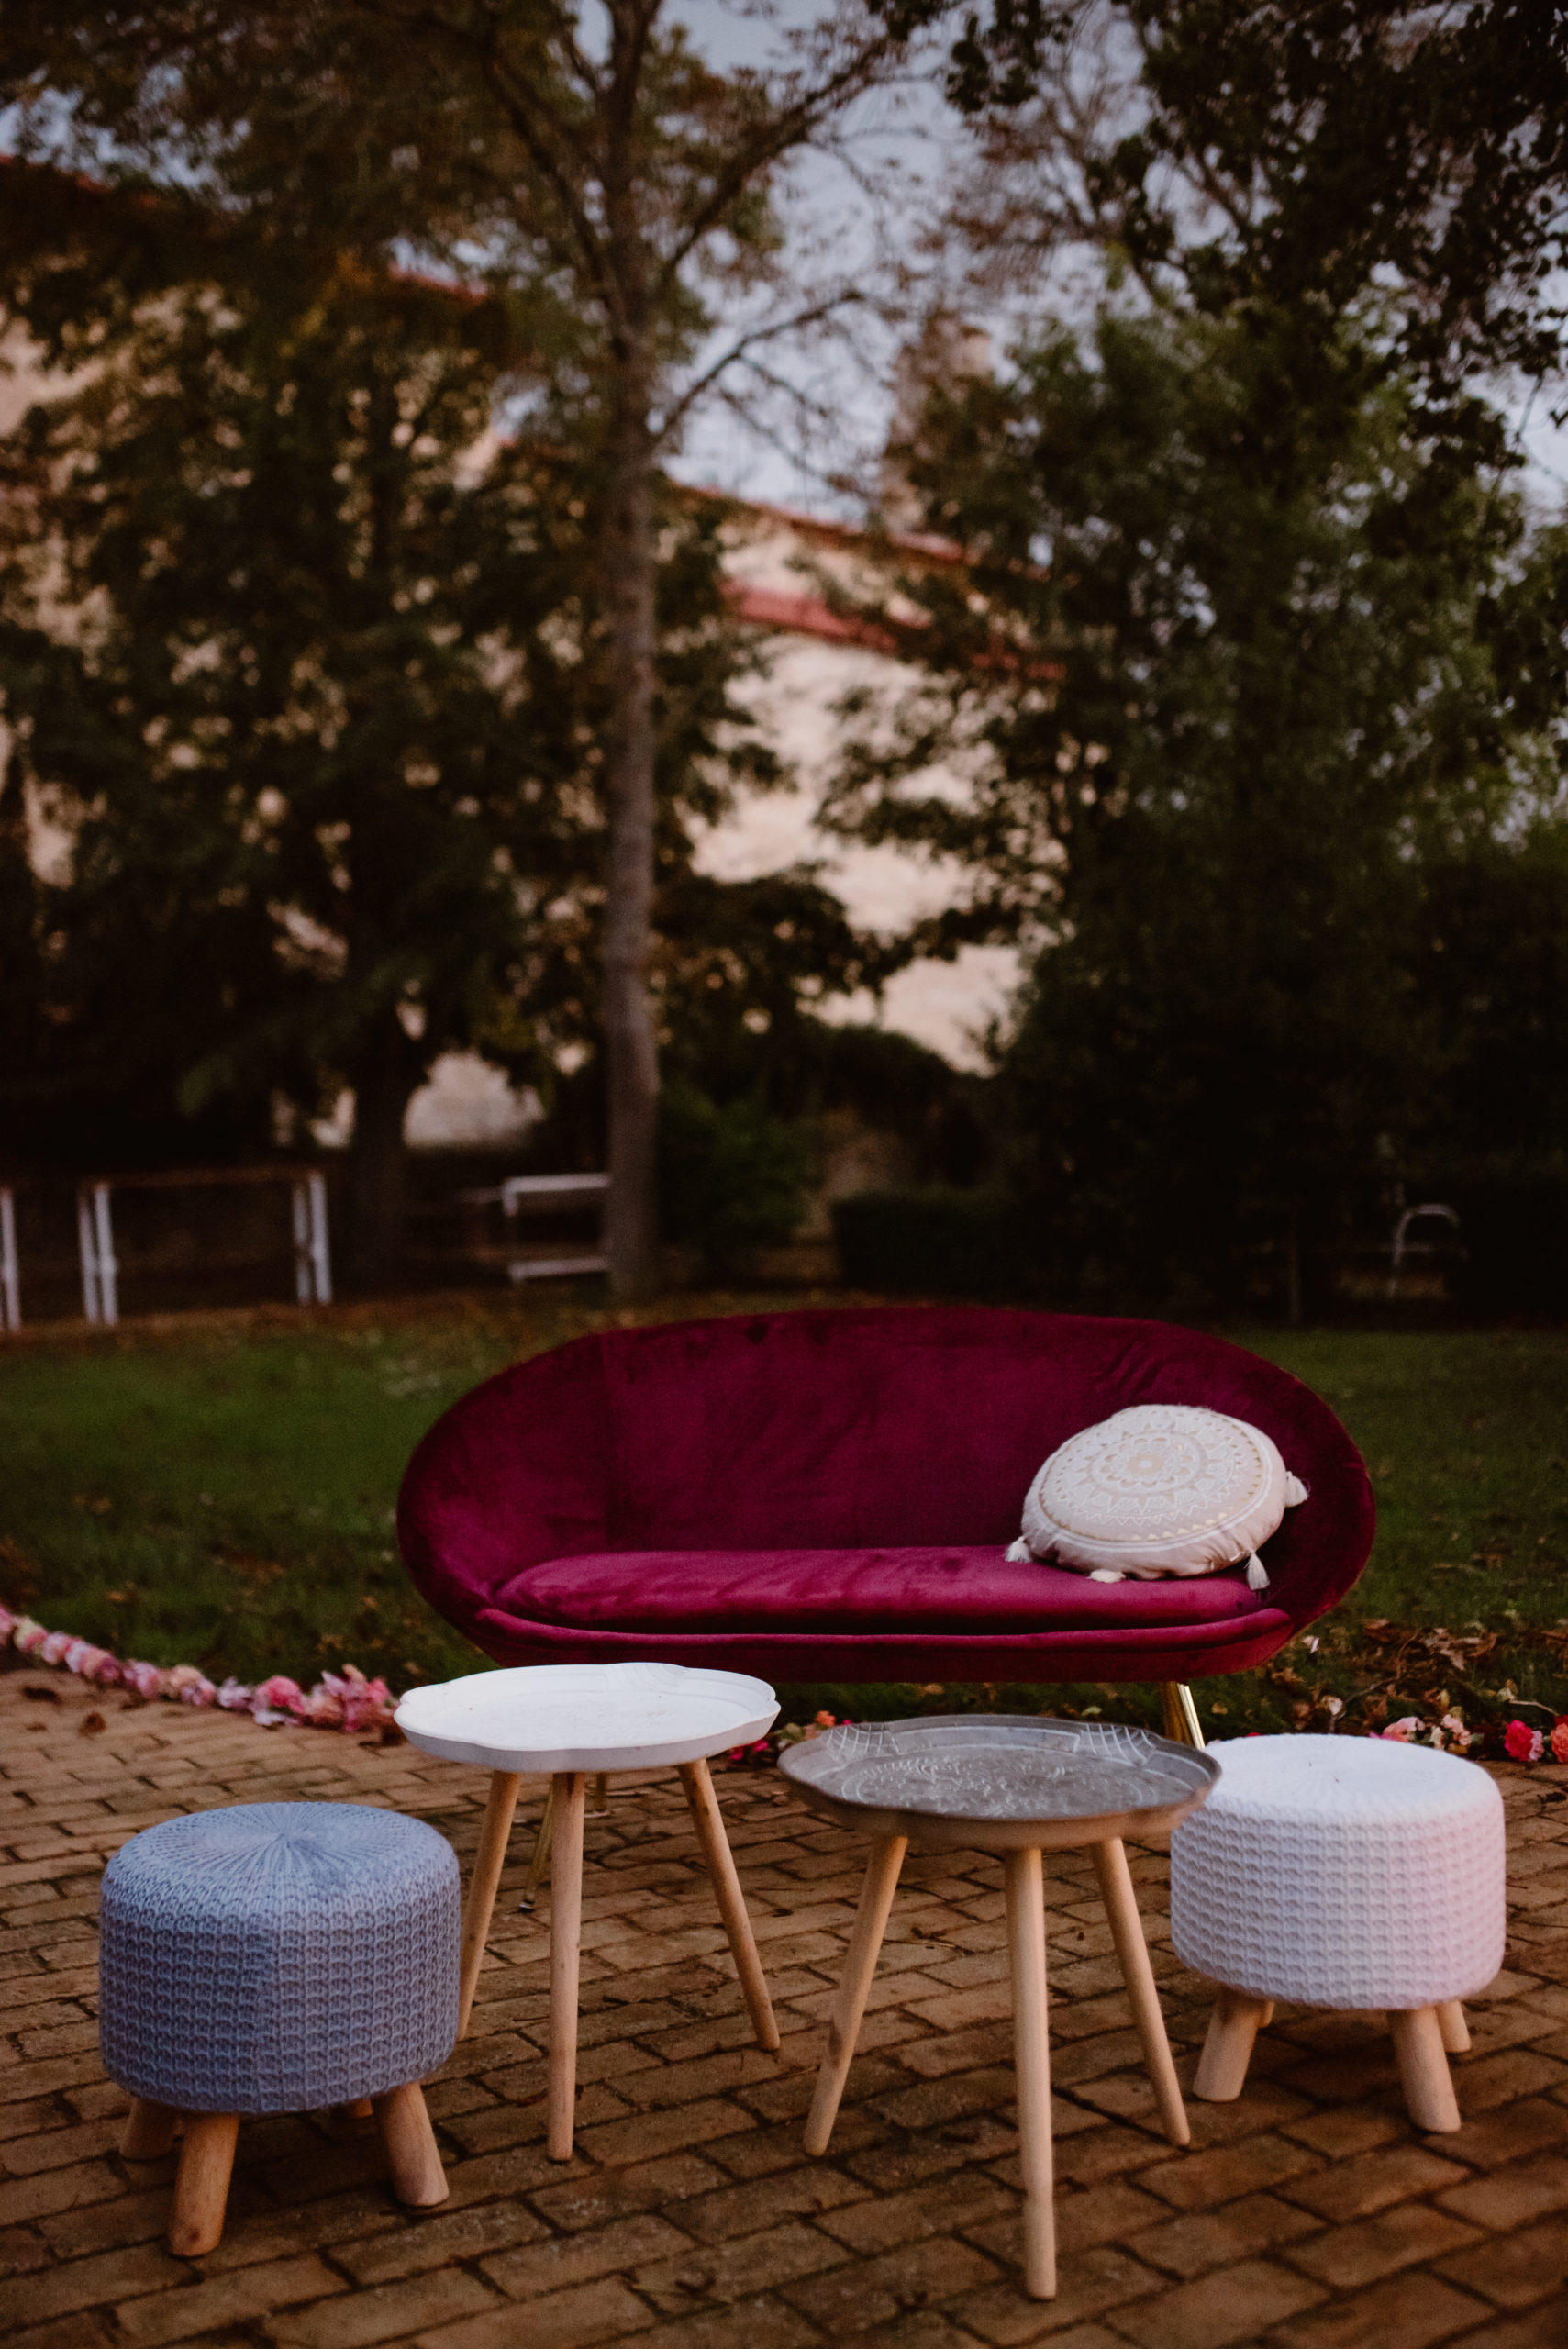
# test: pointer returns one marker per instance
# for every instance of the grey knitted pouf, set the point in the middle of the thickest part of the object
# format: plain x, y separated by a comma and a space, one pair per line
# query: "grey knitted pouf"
279, 1957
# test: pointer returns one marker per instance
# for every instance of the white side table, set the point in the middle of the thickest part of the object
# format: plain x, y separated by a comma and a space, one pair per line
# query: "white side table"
574, 1720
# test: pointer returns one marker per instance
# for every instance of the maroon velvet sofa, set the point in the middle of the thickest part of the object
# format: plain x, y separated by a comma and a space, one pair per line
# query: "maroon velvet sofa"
829, 1495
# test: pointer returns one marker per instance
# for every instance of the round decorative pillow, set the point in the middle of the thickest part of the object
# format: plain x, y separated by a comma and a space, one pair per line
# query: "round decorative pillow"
1164, 1489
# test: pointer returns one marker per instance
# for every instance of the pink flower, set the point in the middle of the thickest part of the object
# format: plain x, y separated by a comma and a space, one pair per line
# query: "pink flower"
28, 1636
1459, 1737
1523, 1744
92, 1663
1406, 1730
52, 1647
234, 1697
190, 1687
281, 1694
367, 1704
142, 1680
1559, 1739
324, 1706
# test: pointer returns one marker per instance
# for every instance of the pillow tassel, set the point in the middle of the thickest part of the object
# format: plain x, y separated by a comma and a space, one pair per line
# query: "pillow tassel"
1294, 1491
1257, 1572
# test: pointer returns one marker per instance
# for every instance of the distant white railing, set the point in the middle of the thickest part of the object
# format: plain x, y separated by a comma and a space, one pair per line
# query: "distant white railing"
10, 1275
95, 1229
542, 1194
1404, 1246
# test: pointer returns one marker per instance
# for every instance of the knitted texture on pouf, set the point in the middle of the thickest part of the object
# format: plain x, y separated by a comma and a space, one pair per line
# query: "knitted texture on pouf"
1342, 1872
278, 1957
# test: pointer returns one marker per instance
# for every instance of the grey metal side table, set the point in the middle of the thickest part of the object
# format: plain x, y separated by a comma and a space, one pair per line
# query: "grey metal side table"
1018, 1785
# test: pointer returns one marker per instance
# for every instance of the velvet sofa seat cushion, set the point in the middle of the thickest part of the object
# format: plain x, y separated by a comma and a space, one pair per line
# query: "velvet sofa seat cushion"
829, 1494
925, 1589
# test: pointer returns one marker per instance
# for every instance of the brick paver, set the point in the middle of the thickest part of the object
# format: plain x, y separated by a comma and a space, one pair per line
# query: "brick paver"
1307, 2215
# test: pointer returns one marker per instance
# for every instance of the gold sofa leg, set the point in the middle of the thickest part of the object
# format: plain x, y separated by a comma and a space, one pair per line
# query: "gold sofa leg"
1181, 1713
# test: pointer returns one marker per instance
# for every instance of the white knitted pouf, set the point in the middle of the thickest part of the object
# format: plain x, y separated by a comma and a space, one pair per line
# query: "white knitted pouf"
1345, 1871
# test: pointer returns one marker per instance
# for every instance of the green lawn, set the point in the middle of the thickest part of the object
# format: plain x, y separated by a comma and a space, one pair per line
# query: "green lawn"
221, 1493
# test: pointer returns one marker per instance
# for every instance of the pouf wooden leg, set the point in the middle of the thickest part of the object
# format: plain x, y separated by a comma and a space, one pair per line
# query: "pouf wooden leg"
417, 2177
708, 1820
1423, 2069
201, 2183
490, 1859
1132, 1951
854, 1988
149, 2130
570, 1789
1227, 2050
1453, 2027
1031, 2064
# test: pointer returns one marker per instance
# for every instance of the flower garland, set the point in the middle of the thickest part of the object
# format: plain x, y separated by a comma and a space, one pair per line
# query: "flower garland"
1520, 1742
349, 1702
344, 1700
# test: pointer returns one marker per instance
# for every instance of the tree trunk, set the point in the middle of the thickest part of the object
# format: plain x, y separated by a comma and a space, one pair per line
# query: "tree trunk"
385, 1080
631, 1052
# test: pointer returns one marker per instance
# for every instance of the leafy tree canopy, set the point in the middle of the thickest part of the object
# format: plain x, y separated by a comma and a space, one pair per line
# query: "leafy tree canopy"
609, 183
1297, 154
1238, 677
307, 663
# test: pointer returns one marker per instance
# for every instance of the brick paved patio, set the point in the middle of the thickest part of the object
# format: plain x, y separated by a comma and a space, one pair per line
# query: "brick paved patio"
1307, 2216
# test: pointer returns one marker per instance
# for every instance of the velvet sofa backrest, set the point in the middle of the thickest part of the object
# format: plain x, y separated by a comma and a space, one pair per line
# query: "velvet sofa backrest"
888, 1428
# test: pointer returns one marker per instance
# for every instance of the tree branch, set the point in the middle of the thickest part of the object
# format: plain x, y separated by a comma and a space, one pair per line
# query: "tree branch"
737, 350
789, 128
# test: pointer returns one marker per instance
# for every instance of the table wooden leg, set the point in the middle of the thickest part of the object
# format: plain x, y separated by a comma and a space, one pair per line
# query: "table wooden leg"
488, 1863
1454, 2028
1132, 1951
1423, 2069
570, 1789
1032, 2060
417, 2177
854, 1988
708, 1820
539, 1858
1233, 2025
149, 2129
201, 2183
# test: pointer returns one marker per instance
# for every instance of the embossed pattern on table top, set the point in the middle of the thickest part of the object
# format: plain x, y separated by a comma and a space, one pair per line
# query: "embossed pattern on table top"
999, 1767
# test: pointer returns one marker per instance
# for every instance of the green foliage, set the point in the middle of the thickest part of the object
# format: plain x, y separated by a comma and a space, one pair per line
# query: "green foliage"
942, 1241
1251, 673
613, 188
732, 1177
1492, 965
327, 750
1296, 159
292, 741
